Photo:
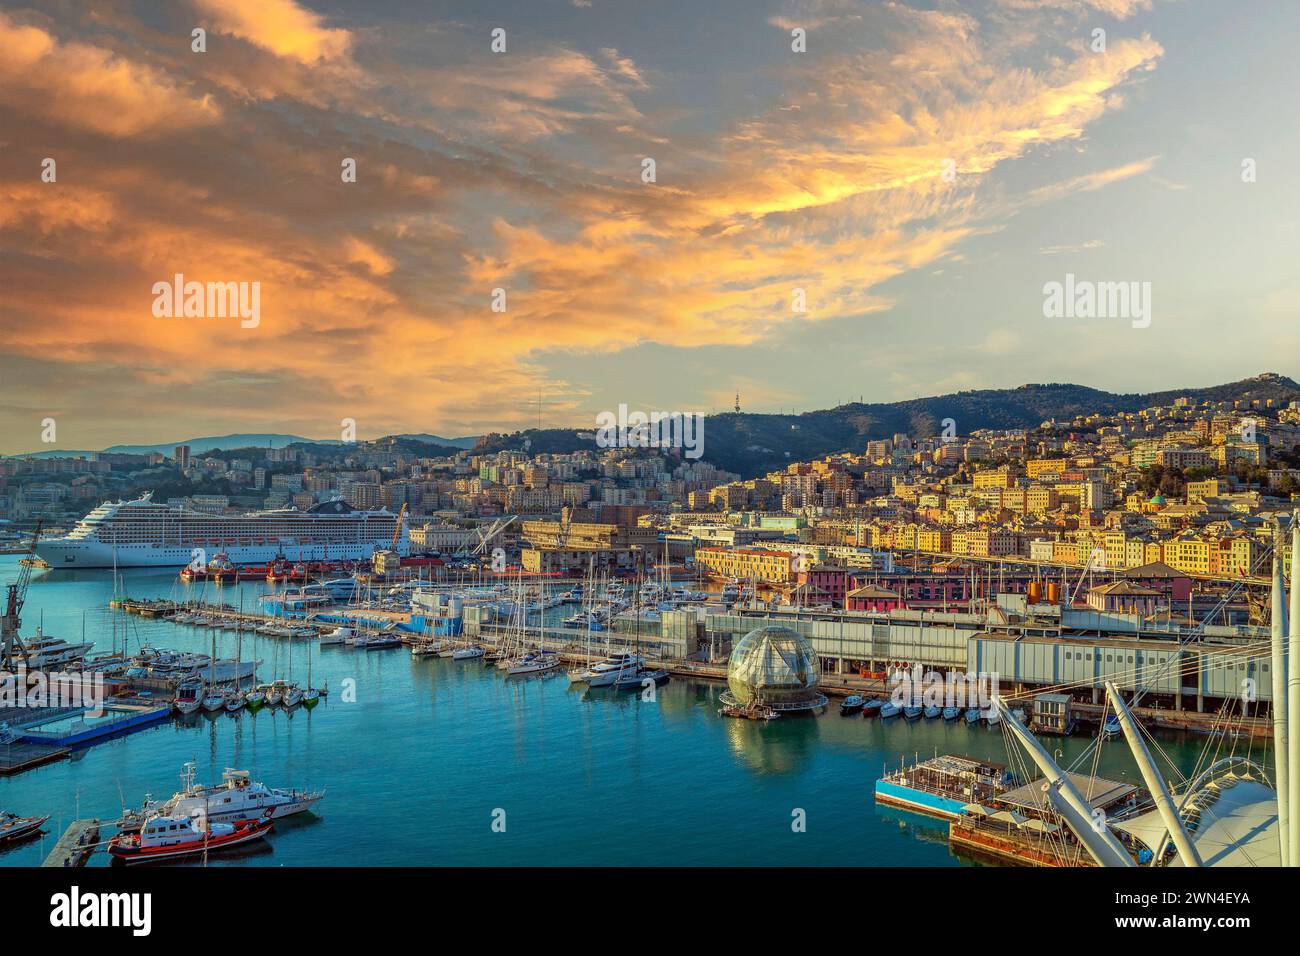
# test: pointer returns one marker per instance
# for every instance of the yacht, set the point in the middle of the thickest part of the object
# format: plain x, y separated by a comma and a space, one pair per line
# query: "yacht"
607, 672
47, 652
290, 694
339, 635
214, 700
468, 653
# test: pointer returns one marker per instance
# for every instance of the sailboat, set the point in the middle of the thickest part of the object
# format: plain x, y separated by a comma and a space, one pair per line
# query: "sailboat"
310, 696
214, 699
290, 693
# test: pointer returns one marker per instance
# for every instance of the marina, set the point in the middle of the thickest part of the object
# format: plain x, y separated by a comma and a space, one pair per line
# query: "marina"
556, 755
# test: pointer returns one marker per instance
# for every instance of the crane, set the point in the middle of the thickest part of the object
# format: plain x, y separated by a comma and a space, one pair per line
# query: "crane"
397, 529
16, 597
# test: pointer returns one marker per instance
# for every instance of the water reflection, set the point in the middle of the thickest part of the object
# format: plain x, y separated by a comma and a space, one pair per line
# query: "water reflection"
773, 746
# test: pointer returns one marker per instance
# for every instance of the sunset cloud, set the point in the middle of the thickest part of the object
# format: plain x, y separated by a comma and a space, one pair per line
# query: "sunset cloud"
476, 172
282, 27
89, 87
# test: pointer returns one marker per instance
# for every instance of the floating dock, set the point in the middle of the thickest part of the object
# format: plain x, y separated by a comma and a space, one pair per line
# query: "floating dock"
75, 846
943, 786
17, 757
76, 730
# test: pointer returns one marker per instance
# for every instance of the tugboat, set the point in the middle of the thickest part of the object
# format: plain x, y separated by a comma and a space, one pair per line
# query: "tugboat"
851, 705
172, 838
14, 828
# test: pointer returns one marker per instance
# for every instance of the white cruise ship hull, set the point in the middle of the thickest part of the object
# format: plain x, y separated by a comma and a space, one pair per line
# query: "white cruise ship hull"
84, 553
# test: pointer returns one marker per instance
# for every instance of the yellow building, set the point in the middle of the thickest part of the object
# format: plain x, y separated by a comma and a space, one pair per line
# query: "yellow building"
773, 567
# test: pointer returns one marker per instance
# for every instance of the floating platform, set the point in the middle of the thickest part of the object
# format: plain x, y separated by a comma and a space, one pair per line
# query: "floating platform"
17, 757
943, 786
75, 846
81, 729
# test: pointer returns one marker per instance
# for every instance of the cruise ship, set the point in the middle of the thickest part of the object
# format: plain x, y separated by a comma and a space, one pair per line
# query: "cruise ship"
143, 533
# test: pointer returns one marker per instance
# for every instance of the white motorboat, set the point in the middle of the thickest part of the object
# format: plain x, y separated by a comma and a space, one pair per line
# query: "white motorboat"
606, 673
189, 696
468, 653
53, 652
339, 635
291, 695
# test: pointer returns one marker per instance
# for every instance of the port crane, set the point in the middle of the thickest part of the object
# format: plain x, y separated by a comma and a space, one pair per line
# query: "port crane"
11, 645
397, 529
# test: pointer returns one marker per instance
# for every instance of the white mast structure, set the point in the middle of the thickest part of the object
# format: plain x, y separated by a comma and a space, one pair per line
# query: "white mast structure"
1278, 665
1100, 843
1291, 834
1151, 776
1097, 837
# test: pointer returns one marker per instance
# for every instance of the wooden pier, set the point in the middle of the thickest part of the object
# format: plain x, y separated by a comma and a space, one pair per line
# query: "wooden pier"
76, 845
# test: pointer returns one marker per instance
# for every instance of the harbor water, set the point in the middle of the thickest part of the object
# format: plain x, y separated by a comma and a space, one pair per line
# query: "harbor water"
442, 762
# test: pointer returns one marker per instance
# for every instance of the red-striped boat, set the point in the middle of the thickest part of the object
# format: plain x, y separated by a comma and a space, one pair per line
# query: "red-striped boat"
173, 838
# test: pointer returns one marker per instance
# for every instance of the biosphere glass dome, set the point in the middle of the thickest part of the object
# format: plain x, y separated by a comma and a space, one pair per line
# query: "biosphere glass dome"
774, 665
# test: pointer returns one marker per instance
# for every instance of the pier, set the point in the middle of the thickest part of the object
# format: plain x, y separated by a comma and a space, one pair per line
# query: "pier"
76, 845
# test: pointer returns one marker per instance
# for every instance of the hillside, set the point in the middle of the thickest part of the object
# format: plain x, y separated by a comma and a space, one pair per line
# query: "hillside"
751, 444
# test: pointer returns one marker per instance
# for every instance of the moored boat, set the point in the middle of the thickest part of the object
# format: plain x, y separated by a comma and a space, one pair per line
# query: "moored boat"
14, 828
852, 704
189, 696
951, 713
912, 711
872, 708
172, 838
890, 709
931, 711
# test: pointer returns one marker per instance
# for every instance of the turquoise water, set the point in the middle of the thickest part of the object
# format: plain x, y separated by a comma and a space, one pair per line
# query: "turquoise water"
416, 767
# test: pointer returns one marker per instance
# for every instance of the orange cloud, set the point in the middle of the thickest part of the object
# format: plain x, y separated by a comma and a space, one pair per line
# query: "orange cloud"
376, 295
92, 88
279, 26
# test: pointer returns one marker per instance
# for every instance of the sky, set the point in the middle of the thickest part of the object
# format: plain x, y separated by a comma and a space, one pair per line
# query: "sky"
916, 174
